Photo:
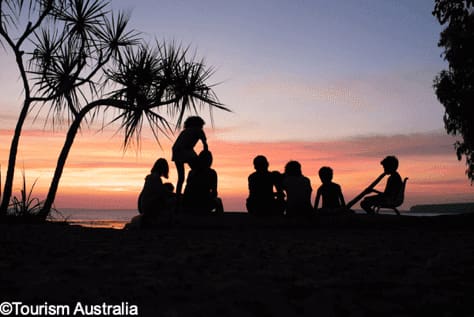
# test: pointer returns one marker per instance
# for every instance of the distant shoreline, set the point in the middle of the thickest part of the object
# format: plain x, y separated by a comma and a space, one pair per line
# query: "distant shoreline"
117, 218
443, 208
242, 218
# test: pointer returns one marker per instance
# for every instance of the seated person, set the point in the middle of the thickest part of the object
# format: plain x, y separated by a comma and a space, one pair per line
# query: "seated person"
331, 193
392, 188
154, 199
200, 194
172, 200
298, 190
265, 193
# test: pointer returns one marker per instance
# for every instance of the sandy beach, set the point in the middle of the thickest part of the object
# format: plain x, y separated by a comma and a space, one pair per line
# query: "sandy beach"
235, 265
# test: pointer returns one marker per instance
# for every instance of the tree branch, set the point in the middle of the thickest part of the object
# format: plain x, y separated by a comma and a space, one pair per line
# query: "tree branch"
30, 28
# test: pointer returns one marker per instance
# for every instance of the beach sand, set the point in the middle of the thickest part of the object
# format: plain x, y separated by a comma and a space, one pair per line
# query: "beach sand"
235, 265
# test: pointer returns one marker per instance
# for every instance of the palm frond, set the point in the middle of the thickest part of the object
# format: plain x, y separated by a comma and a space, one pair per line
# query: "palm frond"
82, 19
14, 11
58, 81
153, 79
189, 84
11, 15
46, 43
137, 75
115, 35
131, 122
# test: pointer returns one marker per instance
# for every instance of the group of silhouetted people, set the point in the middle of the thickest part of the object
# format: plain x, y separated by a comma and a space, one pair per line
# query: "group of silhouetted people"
271, 193
274, 193
158, 199
267, 190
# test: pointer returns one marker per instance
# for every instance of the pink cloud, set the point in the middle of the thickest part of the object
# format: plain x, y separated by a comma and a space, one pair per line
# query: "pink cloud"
98, 167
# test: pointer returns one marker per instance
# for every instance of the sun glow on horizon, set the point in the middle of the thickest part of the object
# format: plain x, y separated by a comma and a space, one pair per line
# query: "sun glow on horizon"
99, 175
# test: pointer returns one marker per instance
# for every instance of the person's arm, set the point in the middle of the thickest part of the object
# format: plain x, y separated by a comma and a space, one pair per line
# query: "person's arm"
316, 201
375, 182
250, 184
277, 183
309, 187
213, 183
204, 141
367, 190
341, 198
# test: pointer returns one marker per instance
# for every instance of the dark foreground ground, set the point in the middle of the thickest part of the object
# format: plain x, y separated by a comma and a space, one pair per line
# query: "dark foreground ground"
239, 266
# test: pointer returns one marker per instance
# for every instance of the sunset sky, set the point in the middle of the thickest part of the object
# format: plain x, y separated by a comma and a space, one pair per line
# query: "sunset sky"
328, 83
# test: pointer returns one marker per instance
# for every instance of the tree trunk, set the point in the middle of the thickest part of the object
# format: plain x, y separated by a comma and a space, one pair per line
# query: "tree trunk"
71, 134
7, 190
53, 188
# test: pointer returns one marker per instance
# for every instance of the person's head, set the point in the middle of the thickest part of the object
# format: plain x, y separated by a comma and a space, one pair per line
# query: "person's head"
161, 168
205, 159
260, 163
277, 177
194, 122
293, 168
169, 187
390, 164
325, 174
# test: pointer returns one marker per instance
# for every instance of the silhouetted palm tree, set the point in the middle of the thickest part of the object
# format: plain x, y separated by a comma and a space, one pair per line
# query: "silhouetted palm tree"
72, 41
153, 86
85, 62
14, 36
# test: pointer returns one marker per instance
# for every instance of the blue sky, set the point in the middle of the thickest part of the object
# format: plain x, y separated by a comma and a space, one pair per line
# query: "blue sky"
295, 70
300, 70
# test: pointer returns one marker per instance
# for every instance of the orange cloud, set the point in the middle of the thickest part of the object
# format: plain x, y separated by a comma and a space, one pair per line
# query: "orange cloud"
99, 175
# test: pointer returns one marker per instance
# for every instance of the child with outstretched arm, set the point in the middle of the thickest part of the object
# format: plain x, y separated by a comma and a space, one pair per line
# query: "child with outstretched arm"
183, 148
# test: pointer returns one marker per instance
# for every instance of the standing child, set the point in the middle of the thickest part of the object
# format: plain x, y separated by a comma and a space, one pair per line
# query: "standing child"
330, 192
183, 148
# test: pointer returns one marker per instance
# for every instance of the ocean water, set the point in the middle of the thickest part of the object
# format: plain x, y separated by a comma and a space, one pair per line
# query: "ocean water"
116, 219
97, 218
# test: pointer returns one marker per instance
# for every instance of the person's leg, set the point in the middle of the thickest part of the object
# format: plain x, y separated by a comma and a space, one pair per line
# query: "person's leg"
179, 184
219, 205
179, 187
193, 161
250, 206
368, 204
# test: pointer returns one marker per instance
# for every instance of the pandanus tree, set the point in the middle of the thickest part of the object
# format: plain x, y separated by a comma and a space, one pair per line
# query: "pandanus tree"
14, 35
152, 85
85, 64
59, 53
